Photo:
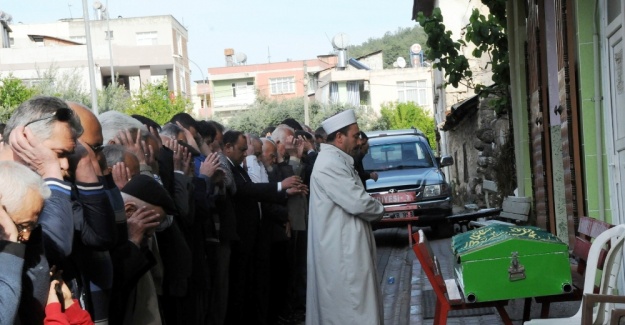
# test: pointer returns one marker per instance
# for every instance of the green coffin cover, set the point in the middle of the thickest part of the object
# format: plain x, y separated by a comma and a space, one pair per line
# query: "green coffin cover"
500, 262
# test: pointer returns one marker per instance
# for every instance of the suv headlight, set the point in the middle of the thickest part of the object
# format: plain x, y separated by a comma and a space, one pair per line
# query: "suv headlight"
432, 190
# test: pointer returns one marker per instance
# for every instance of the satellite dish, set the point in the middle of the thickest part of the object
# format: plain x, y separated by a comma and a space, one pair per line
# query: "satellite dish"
340, 41
241, 57
401, 62
415, 48
6, 17
97, 5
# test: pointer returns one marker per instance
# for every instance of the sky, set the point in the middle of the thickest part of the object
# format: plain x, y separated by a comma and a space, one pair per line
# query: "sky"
274, 30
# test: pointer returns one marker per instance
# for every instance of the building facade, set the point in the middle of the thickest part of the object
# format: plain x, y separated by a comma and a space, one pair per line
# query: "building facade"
235, 87
142, 50
364, 82
361, 82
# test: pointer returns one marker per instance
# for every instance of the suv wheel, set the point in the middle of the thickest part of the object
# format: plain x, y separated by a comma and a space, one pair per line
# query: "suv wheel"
443, 229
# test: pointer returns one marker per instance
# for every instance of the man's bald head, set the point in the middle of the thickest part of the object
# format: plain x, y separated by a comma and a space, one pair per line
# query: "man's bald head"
92, 134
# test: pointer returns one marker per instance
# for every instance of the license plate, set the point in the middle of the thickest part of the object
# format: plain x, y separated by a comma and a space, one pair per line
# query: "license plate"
392, 198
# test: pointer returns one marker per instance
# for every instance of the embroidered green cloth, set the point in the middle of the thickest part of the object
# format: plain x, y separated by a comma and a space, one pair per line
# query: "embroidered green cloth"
489, 235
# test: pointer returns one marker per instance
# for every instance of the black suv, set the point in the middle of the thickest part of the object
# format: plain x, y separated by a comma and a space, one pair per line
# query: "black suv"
411, 184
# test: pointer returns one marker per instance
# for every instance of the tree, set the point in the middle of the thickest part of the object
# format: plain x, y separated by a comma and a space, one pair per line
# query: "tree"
392, 44
407, 115
13, 92
488, 35
265, 112
67, 85
156, 102
114, 99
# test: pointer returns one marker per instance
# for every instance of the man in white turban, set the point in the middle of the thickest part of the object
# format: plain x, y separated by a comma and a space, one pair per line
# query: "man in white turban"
342, 285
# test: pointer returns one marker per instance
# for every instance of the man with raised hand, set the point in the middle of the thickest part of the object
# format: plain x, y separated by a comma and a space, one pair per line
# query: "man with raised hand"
41, 134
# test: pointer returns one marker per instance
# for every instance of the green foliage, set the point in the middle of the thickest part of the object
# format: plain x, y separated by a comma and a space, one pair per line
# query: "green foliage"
392, 45
67, 85
488, 35
406, 115
265, 112
153, 101
12, 93
114, 99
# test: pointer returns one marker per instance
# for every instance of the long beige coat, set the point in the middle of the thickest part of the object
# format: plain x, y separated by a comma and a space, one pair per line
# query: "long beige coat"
342, 288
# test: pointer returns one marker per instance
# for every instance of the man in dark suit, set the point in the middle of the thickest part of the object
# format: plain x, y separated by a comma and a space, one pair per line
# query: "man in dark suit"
244, 288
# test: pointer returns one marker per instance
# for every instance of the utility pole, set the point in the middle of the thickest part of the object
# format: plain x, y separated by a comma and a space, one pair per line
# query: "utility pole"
91, 65
306, 113
108, 31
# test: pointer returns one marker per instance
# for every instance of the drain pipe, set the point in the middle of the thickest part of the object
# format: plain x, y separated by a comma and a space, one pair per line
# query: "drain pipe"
598, 121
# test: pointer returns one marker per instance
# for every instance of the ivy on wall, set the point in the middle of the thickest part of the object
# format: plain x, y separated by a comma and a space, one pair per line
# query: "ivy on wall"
487, 33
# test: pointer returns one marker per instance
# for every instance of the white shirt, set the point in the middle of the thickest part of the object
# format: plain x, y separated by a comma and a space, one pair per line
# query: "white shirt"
256, 170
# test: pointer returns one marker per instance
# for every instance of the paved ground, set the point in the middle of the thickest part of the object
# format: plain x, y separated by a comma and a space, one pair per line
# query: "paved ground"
403, 298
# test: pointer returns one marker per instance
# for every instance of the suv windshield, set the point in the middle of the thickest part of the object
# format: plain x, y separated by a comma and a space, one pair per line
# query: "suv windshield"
397, 156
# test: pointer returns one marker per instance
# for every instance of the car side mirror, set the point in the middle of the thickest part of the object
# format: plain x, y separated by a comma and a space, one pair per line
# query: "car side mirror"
446, 161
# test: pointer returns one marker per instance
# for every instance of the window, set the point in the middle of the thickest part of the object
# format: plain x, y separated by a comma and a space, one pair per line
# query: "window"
179, 43
79, 39
412, 91
147, 38
285, 85
407, 154
183, 82
108, 34
242, 88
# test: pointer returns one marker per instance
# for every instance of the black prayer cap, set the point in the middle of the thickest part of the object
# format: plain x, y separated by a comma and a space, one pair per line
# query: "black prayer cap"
292, 123
147, 189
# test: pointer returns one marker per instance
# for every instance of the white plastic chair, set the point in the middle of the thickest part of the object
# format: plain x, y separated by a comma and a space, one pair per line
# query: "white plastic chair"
611, 269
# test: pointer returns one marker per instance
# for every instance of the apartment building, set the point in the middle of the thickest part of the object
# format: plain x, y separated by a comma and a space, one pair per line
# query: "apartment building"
363, 81
235, 87
142, 50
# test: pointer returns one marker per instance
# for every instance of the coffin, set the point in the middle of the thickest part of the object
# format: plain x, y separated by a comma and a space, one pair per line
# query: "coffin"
501, 262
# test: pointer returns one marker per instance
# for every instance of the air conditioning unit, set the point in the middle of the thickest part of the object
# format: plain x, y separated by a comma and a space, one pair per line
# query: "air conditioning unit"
366, 86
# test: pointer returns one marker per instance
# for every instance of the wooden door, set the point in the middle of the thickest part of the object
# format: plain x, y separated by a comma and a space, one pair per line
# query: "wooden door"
538, 117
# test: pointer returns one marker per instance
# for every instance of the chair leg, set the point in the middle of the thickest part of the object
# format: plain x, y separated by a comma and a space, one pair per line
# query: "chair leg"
440, 317
409, 235
505, 318
544, 309
527, 308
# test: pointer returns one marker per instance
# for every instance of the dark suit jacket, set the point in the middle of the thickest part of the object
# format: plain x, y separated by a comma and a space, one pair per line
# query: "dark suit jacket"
246, 200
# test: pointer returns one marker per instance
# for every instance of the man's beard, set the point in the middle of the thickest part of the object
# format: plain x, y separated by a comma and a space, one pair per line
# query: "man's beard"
269, 168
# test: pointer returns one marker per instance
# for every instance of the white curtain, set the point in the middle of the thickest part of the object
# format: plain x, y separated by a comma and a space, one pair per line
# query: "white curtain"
353, 93
334, 93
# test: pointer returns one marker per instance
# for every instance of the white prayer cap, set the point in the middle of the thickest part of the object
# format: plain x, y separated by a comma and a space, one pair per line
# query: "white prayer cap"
339, 121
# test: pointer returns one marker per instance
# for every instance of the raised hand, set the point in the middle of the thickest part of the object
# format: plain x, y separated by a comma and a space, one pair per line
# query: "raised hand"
210, 164
189, 137
136, 146
121, 174
187, 159
34, 154
8, 229
84, 164
141, 225
174, 146
154, 132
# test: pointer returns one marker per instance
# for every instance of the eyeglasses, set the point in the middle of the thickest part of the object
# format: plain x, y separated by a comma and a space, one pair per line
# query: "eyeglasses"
23, 229
61, 114
96, 147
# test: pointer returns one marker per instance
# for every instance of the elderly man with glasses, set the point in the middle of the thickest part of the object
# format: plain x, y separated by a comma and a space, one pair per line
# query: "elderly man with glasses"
21, 199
